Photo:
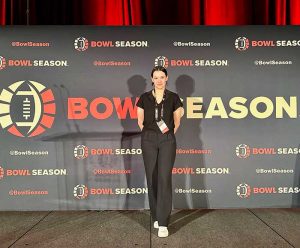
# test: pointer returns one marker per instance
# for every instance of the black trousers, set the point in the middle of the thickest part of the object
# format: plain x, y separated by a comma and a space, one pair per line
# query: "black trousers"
159, 151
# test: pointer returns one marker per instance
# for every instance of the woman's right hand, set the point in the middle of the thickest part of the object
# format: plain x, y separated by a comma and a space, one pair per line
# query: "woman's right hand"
140, 115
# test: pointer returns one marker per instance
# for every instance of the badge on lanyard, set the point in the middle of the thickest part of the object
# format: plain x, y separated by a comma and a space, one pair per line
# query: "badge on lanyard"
161, 124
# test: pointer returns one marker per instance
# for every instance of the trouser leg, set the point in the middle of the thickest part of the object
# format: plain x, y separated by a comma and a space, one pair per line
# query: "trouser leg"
150, 152
166, 159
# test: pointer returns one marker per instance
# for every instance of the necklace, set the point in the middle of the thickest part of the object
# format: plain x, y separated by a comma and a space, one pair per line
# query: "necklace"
156, 105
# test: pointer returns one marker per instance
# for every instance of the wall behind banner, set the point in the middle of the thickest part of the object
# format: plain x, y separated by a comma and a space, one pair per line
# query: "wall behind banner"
69, 137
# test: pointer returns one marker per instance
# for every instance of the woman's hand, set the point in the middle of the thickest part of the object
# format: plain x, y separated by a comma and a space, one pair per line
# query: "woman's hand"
177, 114
140, 115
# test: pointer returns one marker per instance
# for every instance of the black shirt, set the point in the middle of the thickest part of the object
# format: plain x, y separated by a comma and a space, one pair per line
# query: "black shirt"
147, 102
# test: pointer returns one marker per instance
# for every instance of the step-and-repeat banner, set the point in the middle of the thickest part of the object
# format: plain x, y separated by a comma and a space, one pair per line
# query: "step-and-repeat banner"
69, 137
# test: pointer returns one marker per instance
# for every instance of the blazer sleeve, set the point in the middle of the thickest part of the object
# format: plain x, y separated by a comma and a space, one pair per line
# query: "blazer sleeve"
140, 102
177, 103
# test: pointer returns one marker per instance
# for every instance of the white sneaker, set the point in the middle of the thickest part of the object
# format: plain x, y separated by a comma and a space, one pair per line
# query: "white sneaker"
163, 232
155, 225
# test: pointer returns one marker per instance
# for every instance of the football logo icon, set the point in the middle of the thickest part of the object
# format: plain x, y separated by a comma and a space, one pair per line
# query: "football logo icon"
1, 172
243, 151
242, 43
243, 190
81, 152
81, 44
80, 191
2, 62
27, 108
161, 61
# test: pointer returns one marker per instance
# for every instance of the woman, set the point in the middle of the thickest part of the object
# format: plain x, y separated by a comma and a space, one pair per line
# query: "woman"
159, 112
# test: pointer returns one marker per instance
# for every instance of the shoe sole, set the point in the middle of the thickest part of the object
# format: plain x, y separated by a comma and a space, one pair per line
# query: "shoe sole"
163, 236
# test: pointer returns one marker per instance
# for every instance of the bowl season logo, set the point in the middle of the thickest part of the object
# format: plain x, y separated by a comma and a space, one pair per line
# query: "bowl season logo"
80, 191
27, 109
1, 172
81, 44
243, 190
81, 152
242, 151
161, 61
2, 62
241, 43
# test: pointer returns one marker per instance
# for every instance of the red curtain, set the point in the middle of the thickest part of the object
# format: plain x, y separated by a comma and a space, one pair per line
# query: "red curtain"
112, 12
234, 12
2, 12
192, 12
151, 12
294, 12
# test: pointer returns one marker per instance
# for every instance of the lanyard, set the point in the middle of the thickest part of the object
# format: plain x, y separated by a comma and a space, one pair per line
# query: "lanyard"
162, 106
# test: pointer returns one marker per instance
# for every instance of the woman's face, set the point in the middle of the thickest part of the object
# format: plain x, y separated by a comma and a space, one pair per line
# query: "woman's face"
160, 80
